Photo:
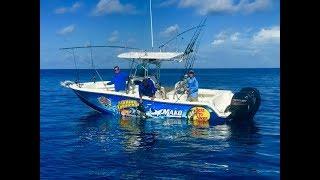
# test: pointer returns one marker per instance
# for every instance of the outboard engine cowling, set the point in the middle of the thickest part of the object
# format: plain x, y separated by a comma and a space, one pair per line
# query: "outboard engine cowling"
245, 104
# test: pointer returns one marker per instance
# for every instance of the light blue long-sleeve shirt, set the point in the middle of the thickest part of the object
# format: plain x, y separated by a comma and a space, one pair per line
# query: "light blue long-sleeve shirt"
193, 87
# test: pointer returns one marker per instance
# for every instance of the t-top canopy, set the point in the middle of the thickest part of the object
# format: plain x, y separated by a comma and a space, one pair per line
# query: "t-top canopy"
165, 56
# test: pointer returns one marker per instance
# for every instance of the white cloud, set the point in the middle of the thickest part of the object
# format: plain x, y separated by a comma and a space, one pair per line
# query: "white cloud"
170, 31
252, 42
63, 10
75, 6
114, 37
113, 6
205, 7
217, 42
222, 35
262, 44
257, 5
167, 3
220, 38
208, 6
235, 36
67, 30
266, 35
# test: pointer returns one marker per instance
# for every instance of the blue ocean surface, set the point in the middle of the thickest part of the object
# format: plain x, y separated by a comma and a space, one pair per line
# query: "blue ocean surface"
79, 143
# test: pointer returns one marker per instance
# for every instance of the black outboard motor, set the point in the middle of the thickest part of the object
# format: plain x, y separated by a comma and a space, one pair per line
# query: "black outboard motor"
245, 104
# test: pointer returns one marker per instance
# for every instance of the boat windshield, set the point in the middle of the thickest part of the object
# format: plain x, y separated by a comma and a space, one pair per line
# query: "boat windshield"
141, 71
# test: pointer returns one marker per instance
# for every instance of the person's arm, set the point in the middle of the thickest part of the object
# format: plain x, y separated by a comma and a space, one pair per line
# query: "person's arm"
111, 82
153, 87
140, 93
188, 85
196, 85
127, 78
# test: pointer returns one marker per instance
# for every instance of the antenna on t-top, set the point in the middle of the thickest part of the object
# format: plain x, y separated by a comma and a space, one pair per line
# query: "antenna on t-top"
151, 25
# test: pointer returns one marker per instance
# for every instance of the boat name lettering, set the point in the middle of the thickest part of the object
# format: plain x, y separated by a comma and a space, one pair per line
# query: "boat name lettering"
167, 112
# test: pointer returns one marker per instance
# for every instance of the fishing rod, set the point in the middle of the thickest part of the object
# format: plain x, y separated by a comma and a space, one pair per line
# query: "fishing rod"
75, 65
192, 47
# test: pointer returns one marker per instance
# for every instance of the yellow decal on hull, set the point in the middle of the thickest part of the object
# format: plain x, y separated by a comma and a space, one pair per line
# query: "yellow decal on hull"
127, 104
198, 114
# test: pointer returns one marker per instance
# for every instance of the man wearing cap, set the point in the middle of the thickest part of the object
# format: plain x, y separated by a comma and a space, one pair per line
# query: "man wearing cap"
119, 80
192, 87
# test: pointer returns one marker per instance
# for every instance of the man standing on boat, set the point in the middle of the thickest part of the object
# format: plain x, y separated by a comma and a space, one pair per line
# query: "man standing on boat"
147, 88
119, 80
181, 86
192, 87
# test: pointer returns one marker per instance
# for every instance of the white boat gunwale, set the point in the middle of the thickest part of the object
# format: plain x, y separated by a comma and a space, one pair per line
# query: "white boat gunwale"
160, 100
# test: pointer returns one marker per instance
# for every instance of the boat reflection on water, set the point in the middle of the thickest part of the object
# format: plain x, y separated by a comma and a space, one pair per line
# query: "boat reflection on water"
184, 144
245, 132
199, 123
136, 135
199, 129
133, 134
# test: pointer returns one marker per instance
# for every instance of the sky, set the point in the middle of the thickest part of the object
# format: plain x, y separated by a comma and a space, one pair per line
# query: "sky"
238, 33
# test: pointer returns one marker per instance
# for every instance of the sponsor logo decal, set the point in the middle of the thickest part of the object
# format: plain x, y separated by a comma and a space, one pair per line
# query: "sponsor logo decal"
104, 101
127, 104
128, 112
128, 108
198, 114
166, 112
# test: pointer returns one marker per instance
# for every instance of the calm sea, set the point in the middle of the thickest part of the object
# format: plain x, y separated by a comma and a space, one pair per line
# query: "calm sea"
78, 143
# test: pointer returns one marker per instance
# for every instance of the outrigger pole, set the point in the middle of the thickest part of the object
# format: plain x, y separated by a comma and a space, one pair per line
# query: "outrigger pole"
81, 47
92, 63
75, 64
93, 67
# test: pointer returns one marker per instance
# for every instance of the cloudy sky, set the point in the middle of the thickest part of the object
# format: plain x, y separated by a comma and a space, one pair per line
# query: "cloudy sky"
238, 33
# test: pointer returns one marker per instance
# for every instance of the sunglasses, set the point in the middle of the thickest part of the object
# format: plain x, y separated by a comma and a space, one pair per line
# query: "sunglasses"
116, 69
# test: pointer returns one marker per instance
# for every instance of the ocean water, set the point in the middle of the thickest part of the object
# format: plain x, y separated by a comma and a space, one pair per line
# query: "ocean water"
79, 143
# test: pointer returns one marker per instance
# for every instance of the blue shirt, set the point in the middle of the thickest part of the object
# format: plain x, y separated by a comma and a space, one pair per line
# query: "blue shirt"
119, 81
148, 90
193, 87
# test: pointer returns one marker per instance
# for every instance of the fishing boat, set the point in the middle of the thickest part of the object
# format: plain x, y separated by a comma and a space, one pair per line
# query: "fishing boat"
213, 105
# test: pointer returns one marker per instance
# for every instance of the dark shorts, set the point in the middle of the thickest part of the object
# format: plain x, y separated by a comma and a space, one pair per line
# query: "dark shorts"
150, 94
